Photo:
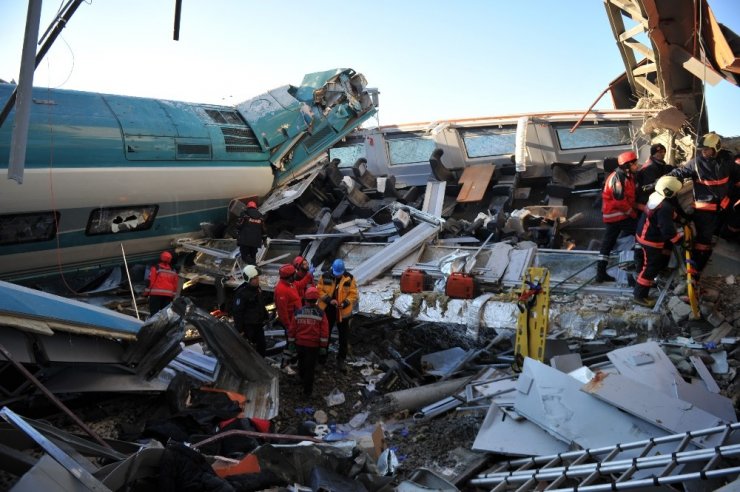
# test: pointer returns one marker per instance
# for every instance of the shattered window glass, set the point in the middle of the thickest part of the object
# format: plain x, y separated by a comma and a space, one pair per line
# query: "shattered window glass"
602, 135
28, 228
483, 142
348, 155
409, 148
121, 219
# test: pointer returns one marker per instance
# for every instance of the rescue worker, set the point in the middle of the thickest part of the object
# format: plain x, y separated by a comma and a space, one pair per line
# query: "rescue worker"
731, 230
163, 280
303, 275
618, 209
713, 173
248, 309
339, 296
657, 233
251, 227
309, 338
287, 301
645, 179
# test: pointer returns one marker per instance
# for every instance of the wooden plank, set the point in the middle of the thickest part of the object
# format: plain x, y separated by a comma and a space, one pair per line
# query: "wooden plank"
475, 181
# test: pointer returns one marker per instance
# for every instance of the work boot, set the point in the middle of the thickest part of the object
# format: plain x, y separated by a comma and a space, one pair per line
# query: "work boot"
644, 301
601, 275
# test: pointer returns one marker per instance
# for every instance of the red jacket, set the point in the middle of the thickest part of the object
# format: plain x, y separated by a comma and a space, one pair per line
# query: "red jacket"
162, 281
301, 284
618, 197
311, 328
287, 302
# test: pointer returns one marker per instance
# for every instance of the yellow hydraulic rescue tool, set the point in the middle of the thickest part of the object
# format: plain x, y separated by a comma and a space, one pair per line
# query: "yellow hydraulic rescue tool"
534, 313
692, 290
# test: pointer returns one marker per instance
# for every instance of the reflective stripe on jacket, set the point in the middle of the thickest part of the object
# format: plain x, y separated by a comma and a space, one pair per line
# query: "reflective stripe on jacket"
656, 226
311, 328
713, 178
618, 197
342, 288
162, 281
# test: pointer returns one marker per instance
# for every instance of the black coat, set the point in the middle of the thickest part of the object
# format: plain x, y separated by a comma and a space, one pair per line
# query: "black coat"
251, 226
248, 306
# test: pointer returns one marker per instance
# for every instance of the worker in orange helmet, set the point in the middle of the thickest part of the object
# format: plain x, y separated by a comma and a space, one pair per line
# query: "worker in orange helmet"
618, 209
310, 335
163, 283
251, 233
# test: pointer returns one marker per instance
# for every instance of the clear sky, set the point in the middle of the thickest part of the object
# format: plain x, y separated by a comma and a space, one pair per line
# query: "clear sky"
430, 59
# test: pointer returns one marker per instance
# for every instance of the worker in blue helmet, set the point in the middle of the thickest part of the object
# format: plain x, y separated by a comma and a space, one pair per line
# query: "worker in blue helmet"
338, 298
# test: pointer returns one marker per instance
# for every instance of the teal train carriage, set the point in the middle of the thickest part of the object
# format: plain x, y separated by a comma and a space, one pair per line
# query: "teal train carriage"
103, 170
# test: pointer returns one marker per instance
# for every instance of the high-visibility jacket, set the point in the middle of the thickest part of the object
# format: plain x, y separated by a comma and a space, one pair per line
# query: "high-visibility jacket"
163, 281
713, 178
656, 226
311, 328
342, 288
287, 302
618, 197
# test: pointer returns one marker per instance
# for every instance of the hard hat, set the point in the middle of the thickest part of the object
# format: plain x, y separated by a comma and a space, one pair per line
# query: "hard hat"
312, 294
286, 271
251, 204
711, 141
668, 186
165, 257
337, 268
250, 271
626, 158
298, 261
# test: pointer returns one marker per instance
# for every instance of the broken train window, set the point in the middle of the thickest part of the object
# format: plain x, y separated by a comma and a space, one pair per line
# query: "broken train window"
28, 227
409, 147
594, 135
348, 151
485, 142
115, 220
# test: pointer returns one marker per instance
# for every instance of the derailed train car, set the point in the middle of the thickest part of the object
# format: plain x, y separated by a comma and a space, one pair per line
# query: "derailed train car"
105, 170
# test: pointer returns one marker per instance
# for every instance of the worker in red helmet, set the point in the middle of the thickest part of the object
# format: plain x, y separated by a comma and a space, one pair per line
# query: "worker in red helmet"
251, 233
303, 275
618, 209
309, 338
163, 283
714, 174
287, 301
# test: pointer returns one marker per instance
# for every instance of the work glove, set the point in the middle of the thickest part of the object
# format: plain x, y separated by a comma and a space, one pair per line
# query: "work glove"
311, 269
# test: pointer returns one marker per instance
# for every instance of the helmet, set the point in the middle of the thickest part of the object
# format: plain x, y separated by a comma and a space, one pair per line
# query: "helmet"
251, 204
298, 261
711, 141
286, 271
668, 186
312, 294
250, 271
337, 268
165, 257
626, 158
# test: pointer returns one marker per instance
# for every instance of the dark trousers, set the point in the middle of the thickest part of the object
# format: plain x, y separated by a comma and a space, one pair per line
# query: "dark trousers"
249, 254
612, 233
706, 222
157, 303
307, 358
255, 333
343, 330
655, 260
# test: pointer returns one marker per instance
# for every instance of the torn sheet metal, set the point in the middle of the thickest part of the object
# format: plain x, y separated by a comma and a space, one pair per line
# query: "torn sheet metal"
554, 401
64, 314
500, 433
70, 465
434, 197
704, 374
444, 362
672, 414
647, 363
287, 194
377, 264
